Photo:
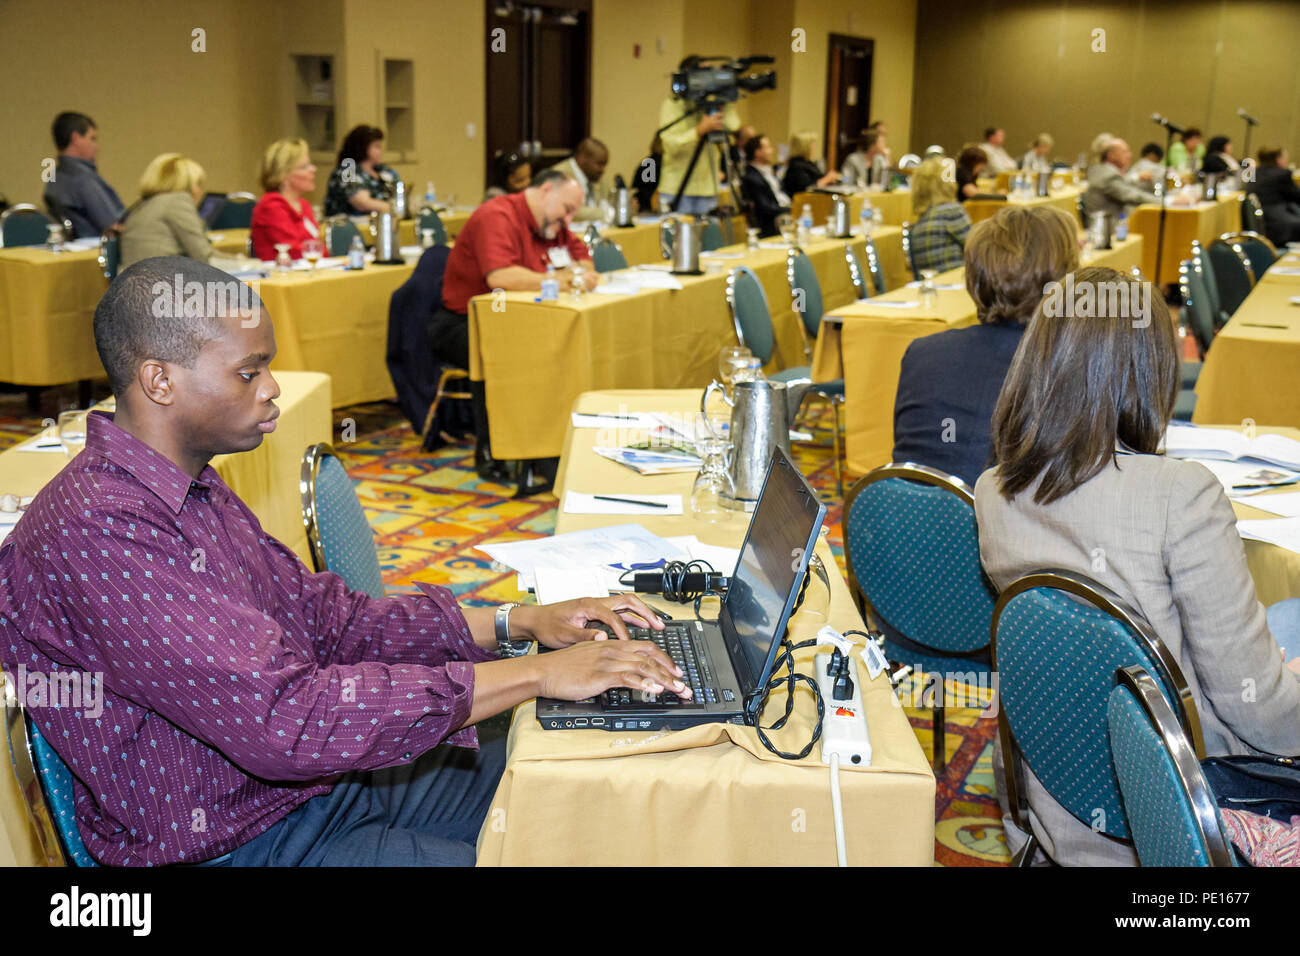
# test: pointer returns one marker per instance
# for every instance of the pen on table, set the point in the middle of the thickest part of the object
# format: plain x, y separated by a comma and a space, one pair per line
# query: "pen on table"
1267, 484
631, 501
622, 418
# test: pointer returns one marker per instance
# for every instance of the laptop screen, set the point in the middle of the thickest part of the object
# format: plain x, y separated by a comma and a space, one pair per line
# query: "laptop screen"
772, 562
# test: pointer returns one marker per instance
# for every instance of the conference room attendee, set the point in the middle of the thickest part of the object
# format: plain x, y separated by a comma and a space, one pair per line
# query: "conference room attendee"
948, 383
683, 127
737, 148
971, 162
166, 220
882, 131
1279, 196
360, 183
1218, 156
1036, 160
1108, 190
1096, 146
512, 171
1150, 167
645, 180
283, 215
802, 172
587, 167
506, 244
77, 192
1187, 154
767, 199
303, 723
867, 165
1084, 477
999, 160
938, 236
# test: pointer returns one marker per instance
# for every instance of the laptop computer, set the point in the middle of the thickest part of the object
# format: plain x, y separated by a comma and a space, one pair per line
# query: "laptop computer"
727, 662
211, 206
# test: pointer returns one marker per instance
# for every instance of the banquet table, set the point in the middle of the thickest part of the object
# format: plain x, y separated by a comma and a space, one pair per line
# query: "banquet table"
864, 342
47, 310
1275, 570
537, 357
1205, 221
1065, 198
1252, 370
894, 207
710, 795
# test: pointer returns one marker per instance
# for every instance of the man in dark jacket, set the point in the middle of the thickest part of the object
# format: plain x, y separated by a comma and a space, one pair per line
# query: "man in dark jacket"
761, 186
1278, 194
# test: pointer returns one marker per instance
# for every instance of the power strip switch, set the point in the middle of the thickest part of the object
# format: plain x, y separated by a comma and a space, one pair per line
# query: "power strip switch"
844, 730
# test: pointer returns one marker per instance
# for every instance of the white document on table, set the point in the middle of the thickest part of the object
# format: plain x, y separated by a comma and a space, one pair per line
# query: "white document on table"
46, 441
949, 286
1287, 505
896, 303
647, 278
1280, 270
617, 288
722, 255
1283, 532
613, 420
1231, 474
553, 585
720, 558
578, 503
623, 544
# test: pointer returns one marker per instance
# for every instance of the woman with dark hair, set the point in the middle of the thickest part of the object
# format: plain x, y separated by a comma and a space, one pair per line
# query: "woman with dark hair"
1218, 156
1080, 484
360, 183
1278, 195
511, 173
970, 164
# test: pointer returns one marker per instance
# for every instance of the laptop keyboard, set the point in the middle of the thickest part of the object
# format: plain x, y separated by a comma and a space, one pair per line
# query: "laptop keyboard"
677, 642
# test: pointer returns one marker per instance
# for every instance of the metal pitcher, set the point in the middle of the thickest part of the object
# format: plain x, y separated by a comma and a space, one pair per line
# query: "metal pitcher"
1044, 182
388, 243
840, 225
762, 413
684, 251
400, 205
623, 207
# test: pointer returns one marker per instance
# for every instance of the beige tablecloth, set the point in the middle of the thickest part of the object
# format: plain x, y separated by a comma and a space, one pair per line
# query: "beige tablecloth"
709, 796
537, 357
47, 311
1066, 198
1205, 222
895, 207
864, 344
1253, 368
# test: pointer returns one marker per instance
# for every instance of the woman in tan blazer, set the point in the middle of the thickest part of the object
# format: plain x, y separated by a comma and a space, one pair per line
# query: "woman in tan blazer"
166, 220
1079, 485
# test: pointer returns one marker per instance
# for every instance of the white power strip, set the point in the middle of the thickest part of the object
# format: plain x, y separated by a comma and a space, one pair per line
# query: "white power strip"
844, 729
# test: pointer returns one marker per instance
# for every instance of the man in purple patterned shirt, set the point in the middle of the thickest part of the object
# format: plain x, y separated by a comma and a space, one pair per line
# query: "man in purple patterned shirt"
254, 712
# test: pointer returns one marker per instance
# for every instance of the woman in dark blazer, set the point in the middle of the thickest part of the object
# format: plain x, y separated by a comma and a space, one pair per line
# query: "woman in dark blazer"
802, 172
1278, 195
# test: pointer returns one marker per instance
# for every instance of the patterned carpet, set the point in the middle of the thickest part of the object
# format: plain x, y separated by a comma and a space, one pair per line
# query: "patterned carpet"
429, 511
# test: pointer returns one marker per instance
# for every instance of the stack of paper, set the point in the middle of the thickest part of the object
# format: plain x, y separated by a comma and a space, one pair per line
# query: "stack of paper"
1224, 444
649, 461
1283, 532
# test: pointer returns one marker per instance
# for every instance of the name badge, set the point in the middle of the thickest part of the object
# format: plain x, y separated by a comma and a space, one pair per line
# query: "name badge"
559, 256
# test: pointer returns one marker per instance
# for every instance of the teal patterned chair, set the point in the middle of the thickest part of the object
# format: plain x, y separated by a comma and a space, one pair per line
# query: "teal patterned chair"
912, 551
856, 274
337, 531
874, 267
24, 225
1170, 809
1259, 252
237, 213
806, 294
45, 783
607, 256
711, 237
1232, 273
429, 219
339, 233
1058, 638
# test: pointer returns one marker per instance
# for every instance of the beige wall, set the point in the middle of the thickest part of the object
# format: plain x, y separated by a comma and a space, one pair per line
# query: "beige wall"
1031, 67
135, 74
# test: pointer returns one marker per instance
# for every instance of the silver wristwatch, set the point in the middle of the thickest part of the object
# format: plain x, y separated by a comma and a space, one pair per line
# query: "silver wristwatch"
505, 646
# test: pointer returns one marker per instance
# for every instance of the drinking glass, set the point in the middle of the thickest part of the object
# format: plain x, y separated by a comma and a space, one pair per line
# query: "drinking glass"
751, 239
725, 362
72, 431
713, 490
312, 251
282, 260
929, 294
54, 237
579, 280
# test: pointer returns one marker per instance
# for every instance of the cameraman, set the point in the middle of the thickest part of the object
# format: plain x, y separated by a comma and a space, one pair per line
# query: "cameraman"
679, 140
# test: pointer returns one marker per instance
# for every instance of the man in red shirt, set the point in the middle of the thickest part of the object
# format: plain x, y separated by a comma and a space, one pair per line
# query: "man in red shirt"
507, 244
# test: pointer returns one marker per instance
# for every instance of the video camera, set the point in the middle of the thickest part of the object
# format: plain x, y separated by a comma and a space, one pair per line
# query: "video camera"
709, 81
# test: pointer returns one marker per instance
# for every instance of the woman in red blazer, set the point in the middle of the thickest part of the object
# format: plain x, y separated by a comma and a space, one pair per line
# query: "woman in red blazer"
283, 214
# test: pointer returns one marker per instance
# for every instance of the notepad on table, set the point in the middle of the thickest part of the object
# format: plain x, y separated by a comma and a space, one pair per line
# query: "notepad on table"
578, 503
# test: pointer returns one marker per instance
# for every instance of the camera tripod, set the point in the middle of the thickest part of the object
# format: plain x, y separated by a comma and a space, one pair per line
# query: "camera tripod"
721, 142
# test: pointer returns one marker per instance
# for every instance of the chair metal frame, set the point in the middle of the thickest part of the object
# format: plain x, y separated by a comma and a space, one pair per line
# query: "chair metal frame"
1201, 262
666, 225
28, 778
926, 475
855, 272
834, 401
449, 374
907, 251
311, 462
1252, 214
27, 209
1102, 598
1185, 268
874, 268
1186, 762
732, 275
1235, 238
1232, 242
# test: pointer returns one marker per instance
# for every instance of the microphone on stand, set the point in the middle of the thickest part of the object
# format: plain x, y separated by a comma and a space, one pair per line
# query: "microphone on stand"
1167, 123
1247, 117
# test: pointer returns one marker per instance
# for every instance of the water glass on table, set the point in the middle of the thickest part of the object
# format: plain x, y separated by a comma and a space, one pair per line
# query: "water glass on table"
312, 252
71, 429
929, 294
283, 261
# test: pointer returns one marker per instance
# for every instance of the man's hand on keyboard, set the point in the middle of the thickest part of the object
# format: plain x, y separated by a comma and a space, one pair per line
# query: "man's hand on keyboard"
559, 625
593, 667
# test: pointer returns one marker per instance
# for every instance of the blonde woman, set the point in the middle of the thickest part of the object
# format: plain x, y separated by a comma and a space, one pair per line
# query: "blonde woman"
803, 172
939, 232
1037, 160
165, 222
283, 214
